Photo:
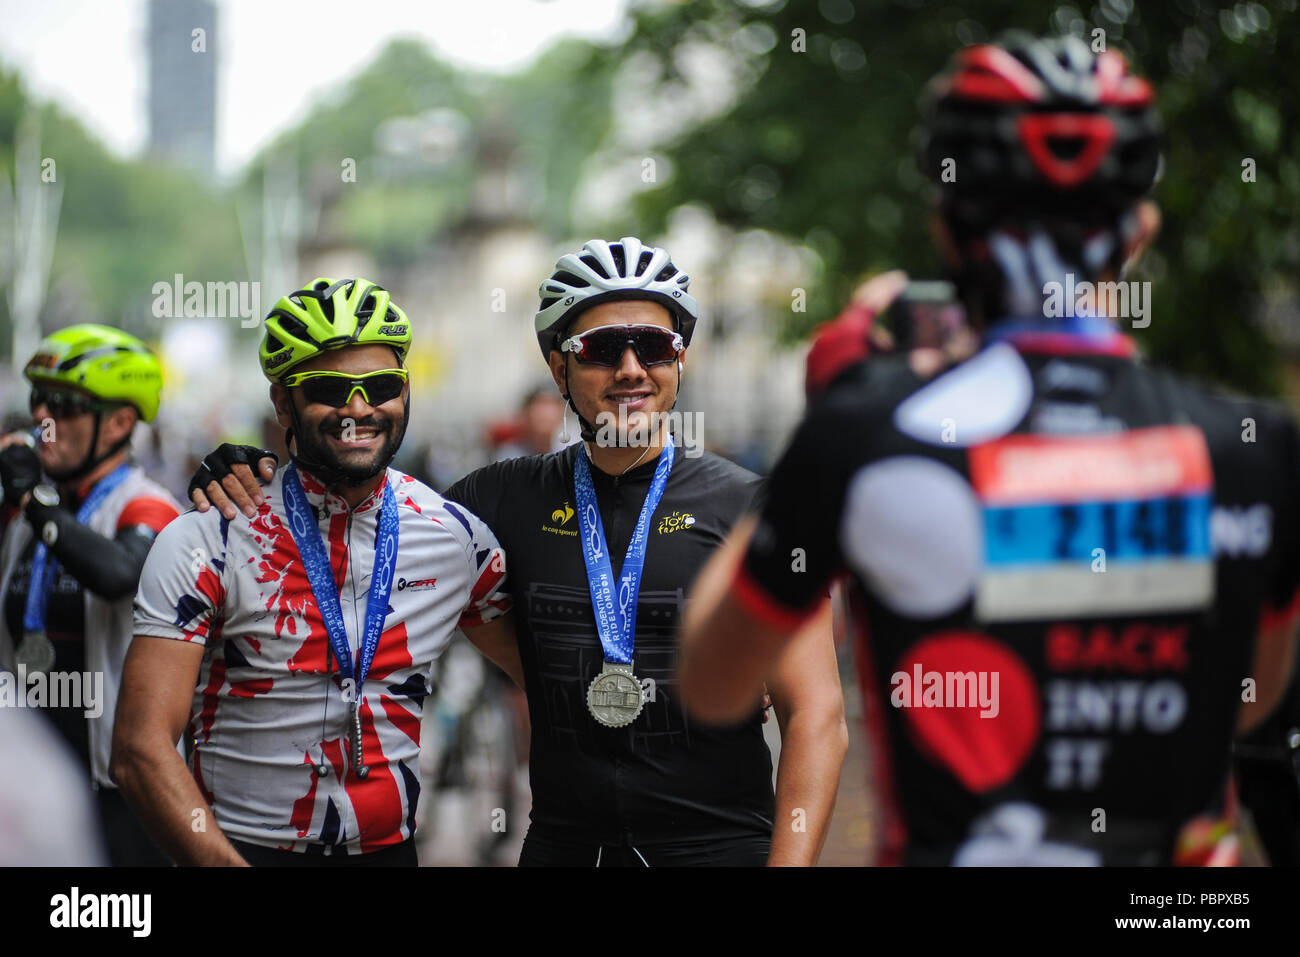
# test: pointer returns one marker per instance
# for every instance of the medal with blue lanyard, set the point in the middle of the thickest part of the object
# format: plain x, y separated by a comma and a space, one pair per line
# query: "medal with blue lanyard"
306, 535
614, 697
36, 651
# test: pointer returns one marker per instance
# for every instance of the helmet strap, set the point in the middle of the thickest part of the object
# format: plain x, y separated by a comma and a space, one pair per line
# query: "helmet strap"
586, 431
91, 461
1004, 274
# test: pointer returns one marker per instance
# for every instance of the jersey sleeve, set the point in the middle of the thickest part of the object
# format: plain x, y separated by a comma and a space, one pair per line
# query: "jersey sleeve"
182, 594
489, 596
794, 553
478, 496
147, 510
479, 491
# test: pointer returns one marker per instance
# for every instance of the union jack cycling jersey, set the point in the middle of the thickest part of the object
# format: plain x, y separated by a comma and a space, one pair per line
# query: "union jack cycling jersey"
270, 708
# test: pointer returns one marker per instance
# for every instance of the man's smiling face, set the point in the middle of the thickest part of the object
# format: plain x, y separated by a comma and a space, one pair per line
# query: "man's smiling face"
630, 386
356, 439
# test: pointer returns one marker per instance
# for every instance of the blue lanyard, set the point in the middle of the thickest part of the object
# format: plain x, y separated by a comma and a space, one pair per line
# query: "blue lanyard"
616, 620
45, 570
306, 535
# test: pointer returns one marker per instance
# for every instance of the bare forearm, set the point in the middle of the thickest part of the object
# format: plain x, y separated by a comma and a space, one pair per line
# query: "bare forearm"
496, 642
159, 787
812, 752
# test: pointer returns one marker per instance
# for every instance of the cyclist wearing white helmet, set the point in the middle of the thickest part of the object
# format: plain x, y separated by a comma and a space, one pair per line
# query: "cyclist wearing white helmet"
604, 538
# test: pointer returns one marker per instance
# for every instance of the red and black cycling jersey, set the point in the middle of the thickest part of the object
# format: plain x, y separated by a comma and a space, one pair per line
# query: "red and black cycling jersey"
662, 778
1059, 560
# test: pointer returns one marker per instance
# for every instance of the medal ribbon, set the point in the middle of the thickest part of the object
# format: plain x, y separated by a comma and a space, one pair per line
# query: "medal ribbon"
45, 570
306, 535
616, 609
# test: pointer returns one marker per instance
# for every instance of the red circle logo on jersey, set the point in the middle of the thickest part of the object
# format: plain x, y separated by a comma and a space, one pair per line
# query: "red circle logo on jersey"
972, 705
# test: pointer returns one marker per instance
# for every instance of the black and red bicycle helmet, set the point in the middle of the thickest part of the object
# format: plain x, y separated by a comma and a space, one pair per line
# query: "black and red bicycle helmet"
1040, 127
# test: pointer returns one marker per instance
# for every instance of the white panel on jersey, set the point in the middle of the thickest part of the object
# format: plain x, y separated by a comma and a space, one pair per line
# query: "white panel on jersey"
981, 399
912, 530
1073, 590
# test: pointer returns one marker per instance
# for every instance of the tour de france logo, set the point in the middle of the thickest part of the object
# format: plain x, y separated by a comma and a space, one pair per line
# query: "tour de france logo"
675, 522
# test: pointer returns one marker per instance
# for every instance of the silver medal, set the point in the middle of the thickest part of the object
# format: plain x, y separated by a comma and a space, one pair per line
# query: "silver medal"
36, 652
614, 697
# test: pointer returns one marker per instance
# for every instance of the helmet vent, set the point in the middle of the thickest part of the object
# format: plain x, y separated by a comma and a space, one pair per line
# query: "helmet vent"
594, 265
273, 344
643, 261
295, 327
569, 279
620, 258
666, 273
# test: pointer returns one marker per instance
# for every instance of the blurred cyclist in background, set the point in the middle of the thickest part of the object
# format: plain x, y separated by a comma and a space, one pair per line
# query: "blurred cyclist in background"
79, 521
1073, 577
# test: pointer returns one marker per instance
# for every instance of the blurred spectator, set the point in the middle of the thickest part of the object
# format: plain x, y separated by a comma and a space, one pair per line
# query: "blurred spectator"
534, 430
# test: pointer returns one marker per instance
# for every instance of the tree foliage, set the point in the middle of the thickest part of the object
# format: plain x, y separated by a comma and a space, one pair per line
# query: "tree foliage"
821, 147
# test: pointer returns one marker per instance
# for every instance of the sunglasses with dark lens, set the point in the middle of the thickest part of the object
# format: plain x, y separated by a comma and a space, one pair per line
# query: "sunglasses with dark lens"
336, 389
605, 345
63, 403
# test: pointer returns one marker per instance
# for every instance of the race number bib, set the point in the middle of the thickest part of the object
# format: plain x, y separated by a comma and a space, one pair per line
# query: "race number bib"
1096, 525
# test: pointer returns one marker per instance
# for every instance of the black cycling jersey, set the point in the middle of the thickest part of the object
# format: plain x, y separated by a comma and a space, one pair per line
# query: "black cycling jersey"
662, 778
1059, 561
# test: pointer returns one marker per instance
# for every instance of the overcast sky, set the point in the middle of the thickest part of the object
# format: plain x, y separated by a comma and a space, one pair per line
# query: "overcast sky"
89, 56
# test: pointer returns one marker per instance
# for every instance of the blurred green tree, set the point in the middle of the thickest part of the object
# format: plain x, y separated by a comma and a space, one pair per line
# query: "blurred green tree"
820, 146
123, 224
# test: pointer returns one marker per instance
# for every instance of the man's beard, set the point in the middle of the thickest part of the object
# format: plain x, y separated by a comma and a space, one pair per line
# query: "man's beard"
318, 457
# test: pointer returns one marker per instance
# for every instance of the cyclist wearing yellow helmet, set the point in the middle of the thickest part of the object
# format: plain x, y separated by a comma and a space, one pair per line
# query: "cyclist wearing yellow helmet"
83, 537
312, 627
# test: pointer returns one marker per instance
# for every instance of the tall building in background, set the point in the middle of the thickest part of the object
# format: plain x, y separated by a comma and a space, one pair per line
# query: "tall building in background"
183, 82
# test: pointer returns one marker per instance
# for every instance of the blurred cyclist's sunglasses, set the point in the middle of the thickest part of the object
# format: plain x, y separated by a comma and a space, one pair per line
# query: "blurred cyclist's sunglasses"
64, 403
336, 389
605, 345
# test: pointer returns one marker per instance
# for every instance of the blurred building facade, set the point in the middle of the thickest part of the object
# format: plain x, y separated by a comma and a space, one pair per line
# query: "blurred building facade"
180, 40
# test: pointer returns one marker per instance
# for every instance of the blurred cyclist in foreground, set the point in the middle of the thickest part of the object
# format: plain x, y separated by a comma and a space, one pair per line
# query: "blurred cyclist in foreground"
1073, 577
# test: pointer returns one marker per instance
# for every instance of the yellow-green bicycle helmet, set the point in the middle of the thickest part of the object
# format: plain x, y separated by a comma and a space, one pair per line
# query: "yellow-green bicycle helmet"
330, 314
107, 363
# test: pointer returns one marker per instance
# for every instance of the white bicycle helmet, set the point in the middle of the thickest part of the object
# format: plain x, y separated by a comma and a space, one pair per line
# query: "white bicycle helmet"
604, 272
